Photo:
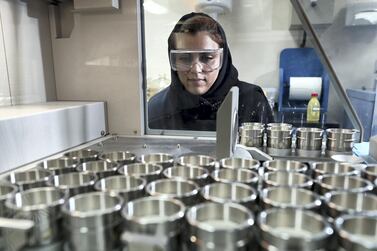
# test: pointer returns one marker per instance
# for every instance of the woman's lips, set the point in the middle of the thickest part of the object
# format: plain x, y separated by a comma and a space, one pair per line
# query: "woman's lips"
197, 81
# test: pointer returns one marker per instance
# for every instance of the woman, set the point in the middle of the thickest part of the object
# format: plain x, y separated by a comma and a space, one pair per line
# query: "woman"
202, 74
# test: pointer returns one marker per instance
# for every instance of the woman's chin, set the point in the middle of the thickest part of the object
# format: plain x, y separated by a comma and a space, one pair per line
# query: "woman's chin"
198, 90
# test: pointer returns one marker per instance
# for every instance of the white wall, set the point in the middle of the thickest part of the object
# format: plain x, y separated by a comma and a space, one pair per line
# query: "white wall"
100, 60
26, 67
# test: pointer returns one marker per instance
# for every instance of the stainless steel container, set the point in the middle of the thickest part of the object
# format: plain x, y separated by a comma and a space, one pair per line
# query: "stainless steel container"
7, 191
185, 191
128, 187
340, 140
227, 175
309, 139
215, 226
289, 197
321, 168
92, 221
285, 165
252, 134
369, 172
102, 168
357, 233
333, 182
43, 207
204, 161
73, 183
293, 229
29, 179
344, 202
83, 155
231, 192
287, 179
149, 172
196, 174
279, 138
163, 159
120, 157
153, 224
60, 165
234, 163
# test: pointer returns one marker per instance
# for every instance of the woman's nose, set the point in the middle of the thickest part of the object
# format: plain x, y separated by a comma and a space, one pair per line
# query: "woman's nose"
196, 67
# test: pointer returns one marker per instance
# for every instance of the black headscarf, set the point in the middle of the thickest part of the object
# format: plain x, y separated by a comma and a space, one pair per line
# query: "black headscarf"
175, 108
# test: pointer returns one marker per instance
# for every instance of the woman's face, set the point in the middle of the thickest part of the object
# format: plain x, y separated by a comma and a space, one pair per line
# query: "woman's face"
195, 80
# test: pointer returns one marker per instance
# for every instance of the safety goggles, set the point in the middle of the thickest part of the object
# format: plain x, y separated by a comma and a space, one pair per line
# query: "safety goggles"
208, 59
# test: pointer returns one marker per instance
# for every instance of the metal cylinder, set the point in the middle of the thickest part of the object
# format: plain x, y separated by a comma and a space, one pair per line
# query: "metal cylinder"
163, 159
287, 179
340, 140
149, 172
29, 179
309, 138
153, 224
203, 161
43, 207
288, 197
279, 137
196, 174
73, 183
7, 191
120, 157
285, 165
231, 192
252, 134
357, 233
369, 172
92, 221
293, 229
83, 155
321, 168
234, 163
60, 165
128, 187
185, 191
102, 168
227, 175
333, 182
344, 202
215, 226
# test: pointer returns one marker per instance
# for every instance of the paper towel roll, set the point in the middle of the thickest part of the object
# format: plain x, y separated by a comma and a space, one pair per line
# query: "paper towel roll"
301, 88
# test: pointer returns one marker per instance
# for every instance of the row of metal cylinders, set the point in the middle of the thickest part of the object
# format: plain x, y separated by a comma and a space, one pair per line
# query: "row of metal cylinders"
88, 224
281, 135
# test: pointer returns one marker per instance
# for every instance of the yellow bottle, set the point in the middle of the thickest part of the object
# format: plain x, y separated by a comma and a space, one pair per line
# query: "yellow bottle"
314, 108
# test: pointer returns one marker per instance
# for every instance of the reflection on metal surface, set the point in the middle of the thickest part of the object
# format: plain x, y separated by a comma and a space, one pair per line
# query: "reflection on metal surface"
361, 13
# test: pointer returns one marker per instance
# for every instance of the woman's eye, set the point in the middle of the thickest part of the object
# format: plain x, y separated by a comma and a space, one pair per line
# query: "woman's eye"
184, 58
206, 58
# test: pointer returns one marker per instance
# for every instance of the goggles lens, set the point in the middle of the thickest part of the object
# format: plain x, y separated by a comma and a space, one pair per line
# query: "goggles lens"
184, 60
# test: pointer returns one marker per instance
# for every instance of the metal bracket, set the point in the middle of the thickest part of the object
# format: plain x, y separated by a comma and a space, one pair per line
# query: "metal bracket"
227, 125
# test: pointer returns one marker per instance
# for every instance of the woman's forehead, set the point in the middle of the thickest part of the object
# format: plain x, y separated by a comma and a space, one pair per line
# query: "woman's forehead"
199, 40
